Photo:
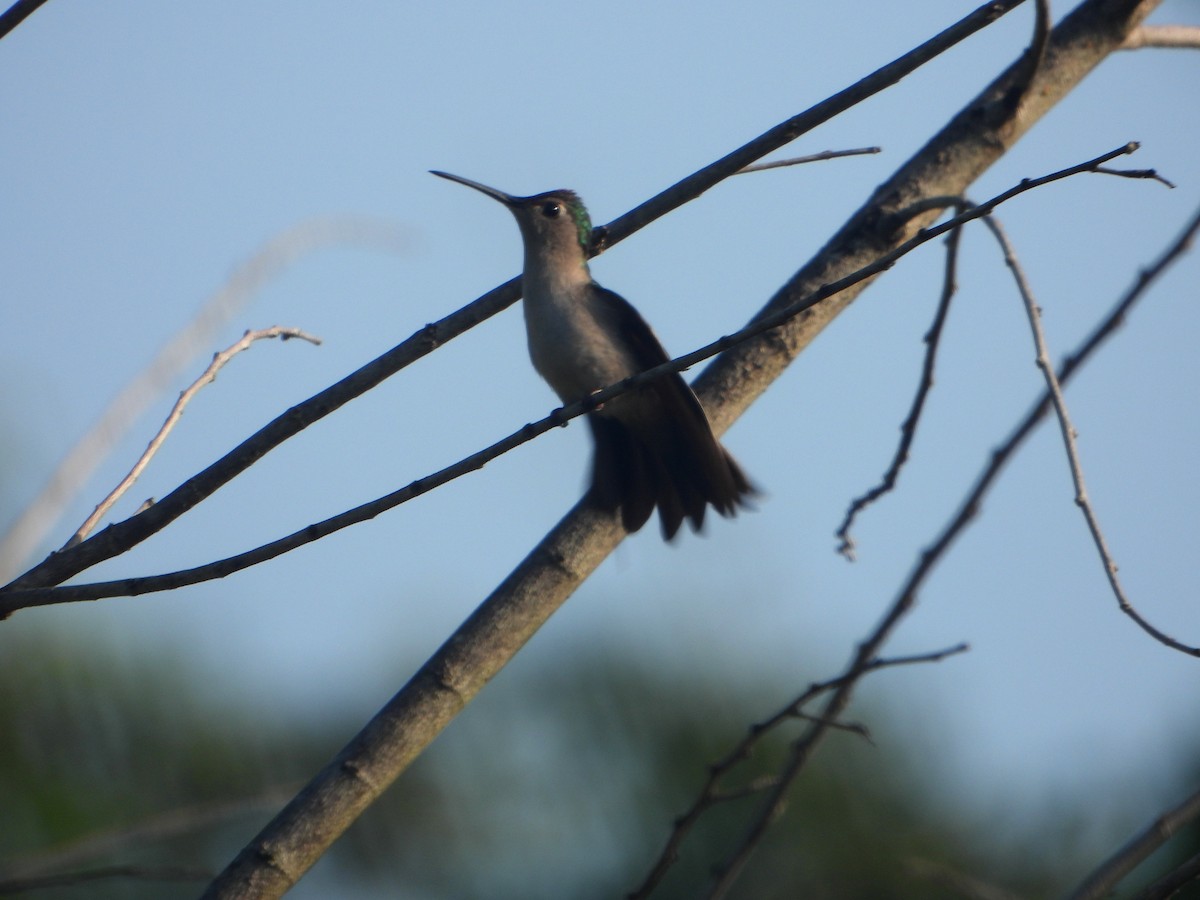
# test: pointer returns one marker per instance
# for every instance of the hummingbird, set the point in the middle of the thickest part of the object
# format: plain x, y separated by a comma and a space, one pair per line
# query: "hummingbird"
653, 446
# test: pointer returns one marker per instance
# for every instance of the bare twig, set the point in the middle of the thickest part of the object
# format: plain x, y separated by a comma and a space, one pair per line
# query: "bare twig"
124, 535
1172, 36
908, 428
906, 598
1066, 428
1137, 173
713, 793
185, 397
40, 515
16, 597
1106, 876
812, 157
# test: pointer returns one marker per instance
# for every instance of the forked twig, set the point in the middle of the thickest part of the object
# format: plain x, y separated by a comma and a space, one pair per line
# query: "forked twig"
932, 337
712, 793
185, 397
908, 428
29, 529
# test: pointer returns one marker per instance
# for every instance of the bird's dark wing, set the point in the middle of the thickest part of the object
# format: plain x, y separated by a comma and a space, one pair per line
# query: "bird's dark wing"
621, 318
675, 458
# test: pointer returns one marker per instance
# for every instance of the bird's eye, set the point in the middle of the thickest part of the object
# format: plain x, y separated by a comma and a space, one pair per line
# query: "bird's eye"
550, 209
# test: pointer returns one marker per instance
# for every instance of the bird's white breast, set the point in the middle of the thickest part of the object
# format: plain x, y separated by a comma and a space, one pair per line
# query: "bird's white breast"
570, 344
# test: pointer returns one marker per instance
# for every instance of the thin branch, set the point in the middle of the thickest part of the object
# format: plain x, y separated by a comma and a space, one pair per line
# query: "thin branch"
1066, 428
712, 793
906, 598
16, 14
908, 427
185, 397
1106, 876
784, 133
1137, 173
1170, 36
812, 157
15, 597
124, 535
25, 534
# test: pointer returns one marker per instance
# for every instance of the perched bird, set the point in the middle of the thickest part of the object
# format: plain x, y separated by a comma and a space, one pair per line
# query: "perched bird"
654, 445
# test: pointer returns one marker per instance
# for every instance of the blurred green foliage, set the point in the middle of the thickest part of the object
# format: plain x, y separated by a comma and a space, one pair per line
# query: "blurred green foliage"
553, 784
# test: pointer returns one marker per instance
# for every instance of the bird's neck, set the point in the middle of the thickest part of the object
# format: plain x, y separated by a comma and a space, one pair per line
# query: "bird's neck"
554, 277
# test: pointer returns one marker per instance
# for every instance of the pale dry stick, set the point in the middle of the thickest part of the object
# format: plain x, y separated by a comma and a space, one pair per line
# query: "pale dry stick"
712, 793
37, 519
15, 597
908, 428
1106, 876
1186, 37
812, 157
906, 597
1066, 427
185, 397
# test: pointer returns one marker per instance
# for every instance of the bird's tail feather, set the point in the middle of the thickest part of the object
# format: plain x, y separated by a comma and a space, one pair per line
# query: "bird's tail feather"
681, 470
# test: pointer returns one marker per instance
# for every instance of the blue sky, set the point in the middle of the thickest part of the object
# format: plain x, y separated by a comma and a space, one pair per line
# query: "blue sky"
151, 148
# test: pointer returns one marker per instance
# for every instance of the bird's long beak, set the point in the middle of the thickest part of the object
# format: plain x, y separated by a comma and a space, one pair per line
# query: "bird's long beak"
506, 199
